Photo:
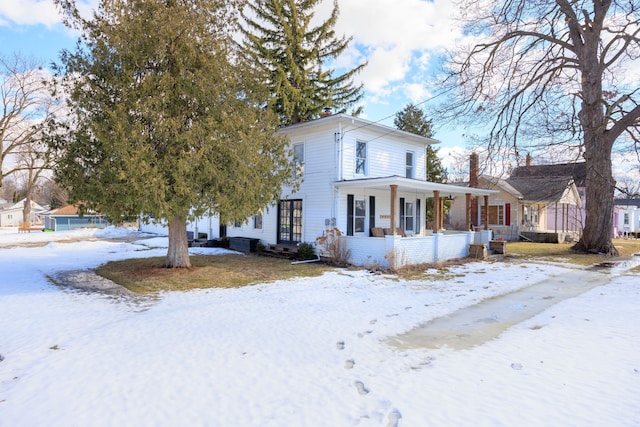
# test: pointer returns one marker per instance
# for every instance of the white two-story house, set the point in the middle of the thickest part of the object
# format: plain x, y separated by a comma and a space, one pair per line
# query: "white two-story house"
361, 177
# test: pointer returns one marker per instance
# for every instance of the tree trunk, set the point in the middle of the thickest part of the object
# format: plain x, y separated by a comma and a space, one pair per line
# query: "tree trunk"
178, 251
26, 210
600, 187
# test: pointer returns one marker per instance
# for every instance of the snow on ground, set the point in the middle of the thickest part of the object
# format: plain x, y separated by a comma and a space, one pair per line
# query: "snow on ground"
305, 352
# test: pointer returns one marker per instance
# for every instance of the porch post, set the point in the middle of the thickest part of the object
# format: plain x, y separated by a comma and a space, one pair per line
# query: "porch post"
394, 195
467, 210
436, 211
486, 212
441, 213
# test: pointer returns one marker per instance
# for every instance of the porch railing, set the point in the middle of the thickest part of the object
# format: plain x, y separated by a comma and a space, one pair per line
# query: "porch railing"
396, 251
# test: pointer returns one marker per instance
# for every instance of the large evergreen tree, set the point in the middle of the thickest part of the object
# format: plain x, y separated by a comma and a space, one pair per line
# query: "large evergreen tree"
294, 56
165, 121
412, 119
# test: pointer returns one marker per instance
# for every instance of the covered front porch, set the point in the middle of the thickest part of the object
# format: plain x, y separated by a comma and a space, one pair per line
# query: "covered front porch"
415, 234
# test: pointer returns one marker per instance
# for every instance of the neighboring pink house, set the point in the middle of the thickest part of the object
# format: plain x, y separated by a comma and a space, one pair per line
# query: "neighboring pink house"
560, 216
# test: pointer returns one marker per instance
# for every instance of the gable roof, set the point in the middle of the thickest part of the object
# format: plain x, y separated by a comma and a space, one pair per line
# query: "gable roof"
351, 123
65, 210
542, 190
536, 189
577, 171
502, 184
20, 206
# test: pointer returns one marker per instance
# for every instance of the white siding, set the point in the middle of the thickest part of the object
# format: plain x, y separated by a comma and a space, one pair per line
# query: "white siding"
385, 155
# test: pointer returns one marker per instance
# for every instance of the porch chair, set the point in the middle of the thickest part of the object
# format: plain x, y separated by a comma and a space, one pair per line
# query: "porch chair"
399, 231
377, 232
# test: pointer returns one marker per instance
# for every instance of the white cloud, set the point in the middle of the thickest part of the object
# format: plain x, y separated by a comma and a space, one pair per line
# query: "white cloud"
33, 12
393, 35
29, 12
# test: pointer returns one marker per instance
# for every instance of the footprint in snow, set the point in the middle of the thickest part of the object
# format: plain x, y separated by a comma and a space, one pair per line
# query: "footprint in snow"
349, 364
361, 388
340, 345
393, 418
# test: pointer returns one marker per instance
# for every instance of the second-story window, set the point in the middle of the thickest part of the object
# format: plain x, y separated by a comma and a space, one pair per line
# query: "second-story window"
361, 158
298, 156
409, 167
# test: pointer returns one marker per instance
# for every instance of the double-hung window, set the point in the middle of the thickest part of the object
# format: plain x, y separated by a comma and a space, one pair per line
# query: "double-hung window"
298, 156
361, 158
495, 214
409, 165
359, 214
257, 221
409, 216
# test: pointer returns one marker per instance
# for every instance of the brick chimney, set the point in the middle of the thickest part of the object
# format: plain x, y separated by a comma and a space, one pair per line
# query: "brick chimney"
528, 160
473, 170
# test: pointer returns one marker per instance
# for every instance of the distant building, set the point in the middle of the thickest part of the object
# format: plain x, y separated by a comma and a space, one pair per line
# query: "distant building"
68, 218
536, 202
12, 216
626, 218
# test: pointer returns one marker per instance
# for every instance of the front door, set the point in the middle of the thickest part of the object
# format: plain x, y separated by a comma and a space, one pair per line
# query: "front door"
290, 221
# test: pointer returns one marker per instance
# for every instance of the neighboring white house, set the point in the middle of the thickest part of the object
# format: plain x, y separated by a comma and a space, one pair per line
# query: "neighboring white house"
358, 176
11, 216
626, 218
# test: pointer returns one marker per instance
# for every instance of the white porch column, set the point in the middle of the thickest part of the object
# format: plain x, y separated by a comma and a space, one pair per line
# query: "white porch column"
486, 212
394, 196
436, 211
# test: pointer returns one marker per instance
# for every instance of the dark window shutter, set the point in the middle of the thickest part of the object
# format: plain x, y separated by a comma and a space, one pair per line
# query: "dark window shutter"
418, 224
372, 212
507, 214
349, 214
401, 213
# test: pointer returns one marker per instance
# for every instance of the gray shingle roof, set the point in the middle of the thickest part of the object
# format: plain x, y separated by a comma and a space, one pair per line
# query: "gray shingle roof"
541, 190
578, 171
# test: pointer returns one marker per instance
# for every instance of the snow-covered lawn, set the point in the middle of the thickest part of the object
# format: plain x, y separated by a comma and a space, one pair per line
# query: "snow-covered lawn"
306, 352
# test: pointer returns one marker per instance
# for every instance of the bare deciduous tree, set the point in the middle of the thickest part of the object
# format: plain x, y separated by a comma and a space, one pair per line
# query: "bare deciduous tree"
555, 73
26, 106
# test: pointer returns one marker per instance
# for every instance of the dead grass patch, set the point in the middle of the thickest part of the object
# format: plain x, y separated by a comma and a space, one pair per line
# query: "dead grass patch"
561, 252
147, 275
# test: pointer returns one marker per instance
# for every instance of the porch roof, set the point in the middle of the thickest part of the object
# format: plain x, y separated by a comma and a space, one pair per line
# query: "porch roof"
408, 184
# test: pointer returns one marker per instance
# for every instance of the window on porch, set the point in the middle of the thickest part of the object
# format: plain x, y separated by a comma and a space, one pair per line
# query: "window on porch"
496, 214
530, 214
359, 216
409, 217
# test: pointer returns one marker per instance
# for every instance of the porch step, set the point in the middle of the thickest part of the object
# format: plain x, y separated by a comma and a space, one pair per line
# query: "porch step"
280, 251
